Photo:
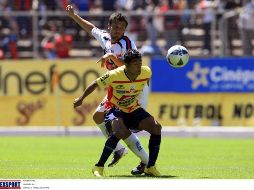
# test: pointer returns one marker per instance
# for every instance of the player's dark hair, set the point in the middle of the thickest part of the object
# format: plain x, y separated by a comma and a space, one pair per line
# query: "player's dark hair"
117, 16
130, 55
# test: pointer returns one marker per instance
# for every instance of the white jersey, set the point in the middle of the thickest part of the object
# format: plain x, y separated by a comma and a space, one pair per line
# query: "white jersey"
118, 49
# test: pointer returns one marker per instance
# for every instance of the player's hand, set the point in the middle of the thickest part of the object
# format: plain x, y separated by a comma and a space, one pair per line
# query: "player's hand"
70, 10
104, 58
77, 102
101, 61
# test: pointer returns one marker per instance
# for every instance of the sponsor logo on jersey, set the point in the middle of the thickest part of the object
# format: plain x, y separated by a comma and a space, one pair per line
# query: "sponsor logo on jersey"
104, 77
126, 100
121, 91
132, 88
119, 87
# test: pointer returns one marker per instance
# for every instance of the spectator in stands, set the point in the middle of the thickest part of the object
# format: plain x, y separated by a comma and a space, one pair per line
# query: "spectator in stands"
51, 5
63, 44
1, 53
139, 5
48, 5
57, 45
246, 25
167, 25
61, 4
95, 6
81, 5
108, 5
230, 30
191, 4
153, 26
24, 22
205, 17
47, 42
3, 4
10, 40
124, 5
183, 6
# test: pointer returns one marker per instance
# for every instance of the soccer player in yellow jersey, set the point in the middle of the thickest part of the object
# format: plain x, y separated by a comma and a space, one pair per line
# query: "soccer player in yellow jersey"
116, 42
124, 113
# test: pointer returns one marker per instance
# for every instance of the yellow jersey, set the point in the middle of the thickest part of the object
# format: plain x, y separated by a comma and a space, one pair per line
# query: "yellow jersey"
122, 92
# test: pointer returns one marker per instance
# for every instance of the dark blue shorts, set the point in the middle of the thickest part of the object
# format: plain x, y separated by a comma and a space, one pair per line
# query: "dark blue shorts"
131, 120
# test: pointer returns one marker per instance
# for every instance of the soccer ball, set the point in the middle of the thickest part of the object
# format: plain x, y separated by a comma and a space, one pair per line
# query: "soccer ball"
177, 56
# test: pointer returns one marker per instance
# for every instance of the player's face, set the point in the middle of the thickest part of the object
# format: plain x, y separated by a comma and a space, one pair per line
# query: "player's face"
134, 67
116, 30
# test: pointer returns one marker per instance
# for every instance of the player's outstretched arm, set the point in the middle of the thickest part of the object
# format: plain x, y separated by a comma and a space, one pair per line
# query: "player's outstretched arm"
110, 56
85, 24
78, 101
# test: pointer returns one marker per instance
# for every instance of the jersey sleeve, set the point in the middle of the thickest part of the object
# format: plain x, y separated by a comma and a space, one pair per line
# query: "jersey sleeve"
105, 80
147, 71
101, 36
133, 45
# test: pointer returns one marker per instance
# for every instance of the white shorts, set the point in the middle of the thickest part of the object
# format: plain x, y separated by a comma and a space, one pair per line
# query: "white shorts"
101, 107
142, 99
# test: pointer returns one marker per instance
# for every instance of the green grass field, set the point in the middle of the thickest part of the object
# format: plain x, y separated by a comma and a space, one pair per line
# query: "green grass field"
73, 158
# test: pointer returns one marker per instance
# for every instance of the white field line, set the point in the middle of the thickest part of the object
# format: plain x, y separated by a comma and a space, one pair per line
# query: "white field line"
94, 131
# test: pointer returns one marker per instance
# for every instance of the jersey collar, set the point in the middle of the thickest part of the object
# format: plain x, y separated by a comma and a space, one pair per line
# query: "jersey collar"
125, 72
117, 40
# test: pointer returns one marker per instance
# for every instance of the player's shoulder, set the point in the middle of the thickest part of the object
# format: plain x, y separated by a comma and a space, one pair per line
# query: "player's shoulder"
146, 70
126, 42
115, 74
117, 71
125, 38
95, 29
100, 32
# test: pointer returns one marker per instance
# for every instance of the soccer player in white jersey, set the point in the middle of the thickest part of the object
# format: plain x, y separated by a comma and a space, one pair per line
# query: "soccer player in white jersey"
123, 111
114, 41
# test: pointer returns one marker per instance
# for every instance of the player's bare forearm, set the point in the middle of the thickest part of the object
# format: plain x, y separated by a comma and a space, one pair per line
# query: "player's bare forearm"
117, 61
85, 24
78, 101
112, 57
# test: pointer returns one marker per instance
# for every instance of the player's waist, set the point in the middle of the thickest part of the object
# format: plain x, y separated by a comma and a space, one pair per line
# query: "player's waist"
126, 109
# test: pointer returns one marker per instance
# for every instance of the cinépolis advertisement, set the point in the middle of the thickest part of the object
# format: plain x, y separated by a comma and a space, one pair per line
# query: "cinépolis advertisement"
214, 91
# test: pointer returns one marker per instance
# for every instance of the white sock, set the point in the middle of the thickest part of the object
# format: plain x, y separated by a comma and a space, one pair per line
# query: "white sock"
134, 144
106, 134
103, 129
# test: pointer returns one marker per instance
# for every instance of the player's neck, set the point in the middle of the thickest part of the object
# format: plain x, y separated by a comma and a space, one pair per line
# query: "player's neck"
130, 76
115, 40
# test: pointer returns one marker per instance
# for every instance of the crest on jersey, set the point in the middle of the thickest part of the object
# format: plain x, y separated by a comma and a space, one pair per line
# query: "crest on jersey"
132, 88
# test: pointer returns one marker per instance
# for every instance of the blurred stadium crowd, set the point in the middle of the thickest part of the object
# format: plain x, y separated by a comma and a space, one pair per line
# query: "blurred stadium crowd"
42, 29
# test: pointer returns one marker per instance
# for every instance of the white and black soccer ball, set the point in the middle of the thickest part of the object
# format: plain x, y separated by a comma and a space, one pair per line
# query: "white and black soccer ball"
177, 56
